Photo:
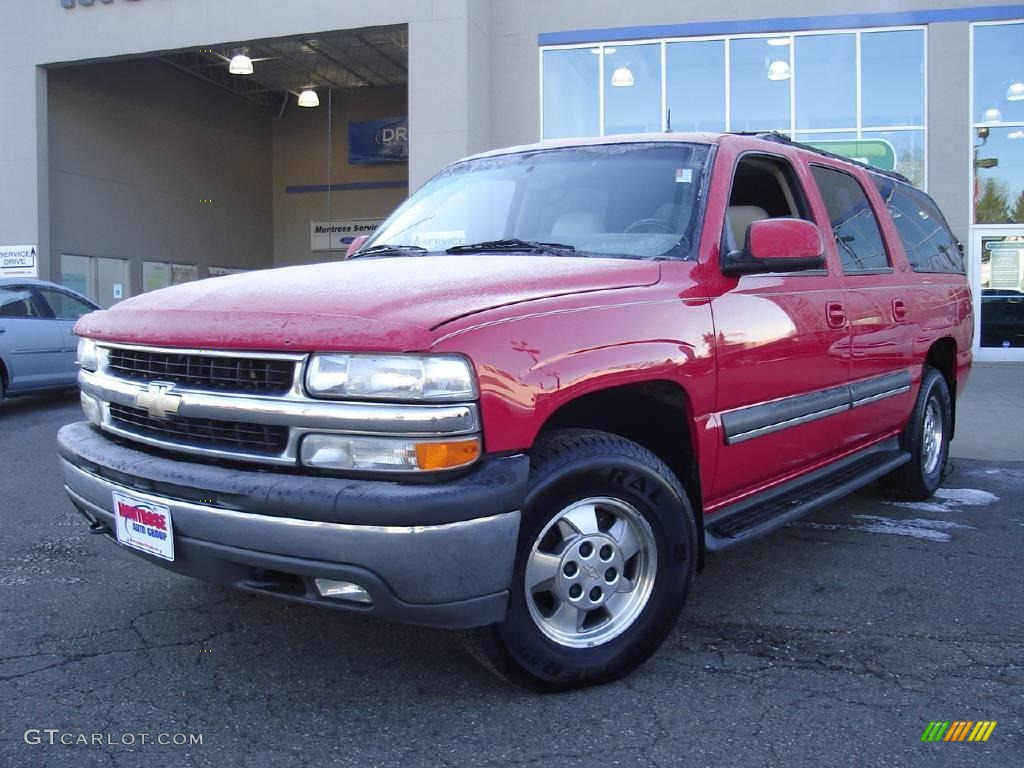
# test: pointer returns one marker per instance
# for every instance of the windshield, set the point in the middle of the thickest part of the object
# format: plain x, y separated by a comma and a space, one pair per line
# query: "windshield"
639, 200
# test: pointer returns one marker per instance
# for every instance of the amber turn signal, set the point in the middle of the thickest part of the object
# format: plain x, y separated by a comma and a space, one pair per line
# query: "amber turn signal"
448, 454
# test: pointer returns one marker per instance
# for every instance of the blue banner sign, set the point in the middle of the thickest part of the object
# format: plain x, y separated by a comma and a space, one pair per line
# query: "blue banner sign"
379, 141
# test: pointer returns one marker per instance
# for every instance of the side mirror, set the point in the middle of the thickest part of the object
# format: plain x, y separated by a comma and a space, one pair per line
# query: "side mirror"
355, 245
777, 245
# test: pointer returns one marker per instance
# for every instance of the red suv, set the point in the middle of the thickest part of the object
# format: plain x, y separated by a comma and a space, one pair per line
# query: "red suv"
550, 383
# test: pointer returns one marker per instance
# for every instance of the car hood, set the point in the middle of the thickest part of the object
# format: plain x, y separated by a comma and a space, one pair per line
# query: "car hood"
374, 304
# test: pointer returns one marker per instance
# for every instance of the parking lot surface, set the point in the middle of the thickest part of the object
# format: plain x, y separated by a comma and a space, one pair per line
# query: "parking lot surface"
833, 642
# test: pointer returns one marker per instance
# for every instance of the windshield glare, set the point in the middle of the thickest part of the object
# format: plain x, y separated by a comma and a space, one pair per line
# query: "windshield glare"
639, 200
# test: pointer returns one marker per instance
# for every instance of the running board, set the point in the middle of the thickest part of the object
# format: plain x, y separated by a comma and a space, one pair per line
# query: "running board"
761, 514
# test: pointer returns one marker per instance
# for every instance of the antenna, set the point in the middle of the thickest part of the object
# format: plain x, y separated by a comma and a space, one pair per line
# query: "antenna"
668, 121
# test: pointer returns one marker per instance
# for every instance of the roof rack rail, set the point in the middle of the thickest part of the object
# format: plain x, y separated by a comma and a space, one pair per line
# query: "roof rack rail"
781, 138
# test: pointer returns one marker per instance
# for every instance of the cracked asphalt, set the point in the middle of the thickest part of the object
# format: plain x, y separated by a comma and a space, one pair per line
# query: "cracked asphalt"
832, 644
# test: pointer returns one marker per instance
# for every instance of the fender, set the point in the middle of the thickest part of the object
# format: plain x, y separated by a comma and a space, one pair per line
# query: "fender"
530, 366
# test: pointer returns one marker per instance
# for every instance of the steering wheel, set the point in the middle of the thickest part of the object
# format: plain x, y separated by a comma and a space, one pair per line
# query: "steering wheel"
651, 226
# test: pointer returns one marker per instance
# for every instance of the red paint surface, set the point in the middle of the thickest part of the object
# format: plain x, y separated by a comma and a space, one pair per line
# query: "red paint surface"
544, 330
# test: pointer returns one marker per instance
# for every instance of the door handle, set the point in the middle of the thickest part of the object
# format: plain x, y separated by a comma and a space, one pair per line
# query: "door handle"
899, 309
836, 314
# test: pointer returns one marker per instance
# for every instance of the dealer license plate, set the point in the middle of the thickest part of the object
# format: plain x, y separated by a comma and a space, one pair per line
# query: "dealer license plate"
144, 525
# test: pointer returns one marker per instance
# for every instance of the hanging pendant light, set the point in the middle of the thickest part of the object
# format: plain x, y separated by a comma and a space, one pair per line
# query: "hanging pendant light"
622, 77
1015, 92
240, 65
992, 115
308, 98
779, 70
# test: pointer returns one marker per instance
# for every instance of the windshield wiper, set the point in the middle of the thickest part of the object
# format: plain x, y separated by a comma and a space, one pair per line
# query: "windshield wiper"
387, 248
514, 244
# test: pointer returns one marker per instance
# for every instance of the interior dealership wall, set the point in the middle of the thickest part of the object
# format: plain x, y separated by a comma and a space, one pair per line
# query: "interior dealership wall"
149, 164
301, 172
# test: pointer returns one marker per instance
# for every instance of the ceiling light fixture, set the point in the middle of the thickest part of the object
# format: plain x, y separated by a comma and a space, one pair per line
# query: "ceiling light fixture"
308, 98
778, 42
240, 65
622, 77
1015, 135
992, 115
779, 70
1015, 92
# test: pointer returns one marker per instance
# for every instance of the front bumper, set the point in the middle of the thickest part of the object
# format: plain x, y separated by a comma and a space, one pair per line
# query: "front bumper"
434, 554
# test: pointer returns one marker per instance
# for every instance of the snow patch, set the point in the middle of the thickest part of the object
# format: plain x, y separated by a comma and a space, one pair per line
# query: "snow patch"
918, 528
953, 498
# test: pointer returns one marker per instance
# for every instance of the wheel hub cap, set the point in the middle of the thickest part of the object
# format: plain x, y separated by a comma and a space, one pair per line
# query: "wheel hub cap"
590, 572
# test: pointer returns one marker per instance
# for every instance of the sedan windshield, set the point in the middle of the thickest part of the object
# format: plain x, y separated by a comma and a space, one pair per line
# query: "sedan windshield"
639, 200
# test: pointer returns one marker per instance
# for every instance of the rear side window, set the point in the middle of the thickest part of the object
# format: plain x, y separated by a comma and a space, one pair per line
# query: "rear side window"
854, 226
926, 238
64, 305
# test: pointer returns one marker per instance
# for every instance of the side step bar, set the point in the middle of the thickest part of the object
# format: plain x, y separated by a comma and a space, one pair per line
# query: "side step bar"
761, 514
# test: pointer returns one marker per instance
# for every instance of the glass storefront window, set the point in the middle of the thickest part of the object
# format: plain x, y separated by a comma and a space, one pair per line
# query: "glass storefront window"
632, 89
825, 80
570, 92
158, 274
908, 149
864, 86
999, 175
695, 84
1002, 291
759, 84
999, 73
105, 281
892, 78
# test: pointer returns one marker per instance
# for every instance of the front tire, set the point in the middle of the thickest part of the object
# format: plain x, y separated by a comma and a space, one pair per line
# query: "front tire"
926, 437
607, 549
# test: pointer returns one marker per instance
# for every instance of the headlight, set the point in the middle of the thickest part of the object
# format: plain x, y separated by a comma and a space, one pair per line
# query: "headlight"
391, 377
387, 454
86, 357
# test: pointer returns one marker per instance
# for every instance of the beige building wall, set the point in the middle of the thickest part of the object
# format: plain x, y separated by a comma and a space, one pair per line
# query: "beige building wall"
149, 164
300, 159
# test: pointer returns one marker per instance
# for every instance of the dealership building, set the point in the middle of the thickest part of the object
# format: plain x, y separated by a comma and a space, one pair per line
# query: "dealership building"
150, 142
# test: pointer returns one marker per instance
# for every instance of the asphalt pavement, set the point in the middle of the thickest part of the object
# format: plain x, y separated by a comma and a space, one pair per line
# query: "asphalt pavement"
833, 642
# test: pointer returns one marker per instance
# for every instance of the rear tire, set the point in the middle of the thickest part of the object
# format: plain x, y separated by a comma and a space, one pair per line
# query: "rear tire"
607, 549
926, 437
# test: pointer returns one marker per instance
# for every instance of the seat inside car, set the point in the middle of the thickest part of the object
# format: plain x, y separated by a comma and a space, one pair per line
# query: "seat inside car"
741, 217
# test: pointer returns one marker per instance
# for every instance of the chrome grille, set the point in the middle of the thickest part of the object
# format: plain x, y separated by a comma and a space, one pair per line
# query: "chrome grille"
236, 436
253, 375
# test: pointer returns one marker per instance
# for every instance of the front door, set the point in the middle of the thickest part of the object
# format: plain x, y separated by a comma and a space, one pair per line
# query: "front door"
997, 280
782, 344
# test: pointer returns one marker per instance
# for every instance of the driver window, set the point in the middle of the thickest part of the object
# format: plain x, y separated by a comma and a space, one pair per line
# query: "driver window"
763, 187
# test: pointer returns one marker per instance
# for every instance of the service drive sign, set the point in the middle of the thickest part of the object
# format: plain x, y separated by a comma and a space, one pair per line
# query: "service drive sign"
336, 235
18, 261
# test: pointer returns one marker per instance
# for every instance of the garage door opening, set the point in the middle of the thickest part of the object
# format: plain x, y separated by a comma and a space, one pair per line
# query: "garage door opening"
202, 162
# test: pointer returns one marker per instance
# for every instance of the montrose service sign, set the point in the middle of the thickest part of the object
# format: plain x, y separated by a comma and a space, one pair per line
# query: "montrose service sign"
18, 261
336, 235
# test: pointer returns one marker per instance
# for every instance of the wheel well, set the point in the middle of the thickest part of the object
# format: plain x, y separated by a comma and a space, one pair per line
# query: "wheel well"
653, 414
942, 356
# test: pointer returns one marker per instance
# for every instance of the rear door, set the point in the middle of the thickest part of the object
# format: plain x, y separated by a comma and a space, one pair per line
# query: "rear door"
31, 345
781, 340
66, 308
878, 304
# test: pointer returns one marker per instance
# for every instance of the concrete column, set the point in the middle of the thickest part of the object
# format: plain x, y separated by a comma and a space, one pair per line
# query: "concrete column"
949, 110
24, 167
449, 91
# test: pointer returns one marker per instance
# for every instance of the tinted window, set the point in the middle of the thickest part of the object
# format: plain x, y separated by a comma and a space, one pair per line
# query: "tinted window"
926, 238
64, 305
16, 301
854, 226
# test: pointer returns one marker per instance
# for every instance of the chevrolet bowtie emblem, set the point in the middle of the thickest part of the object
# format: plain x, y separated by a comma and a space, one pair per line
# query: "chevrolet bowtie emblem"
158, 401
